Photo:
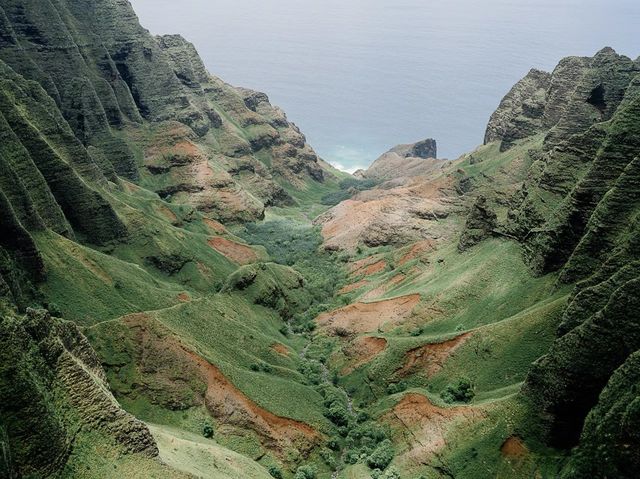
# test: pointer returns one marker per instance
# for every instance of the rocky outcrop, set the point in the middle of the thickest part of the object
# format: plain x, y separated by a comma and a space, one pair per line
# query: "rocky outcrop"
52, 387
578, 94
424, 149
577, 213
575, 178
480, 224
404, 161
397, 212
598, 92
522, 110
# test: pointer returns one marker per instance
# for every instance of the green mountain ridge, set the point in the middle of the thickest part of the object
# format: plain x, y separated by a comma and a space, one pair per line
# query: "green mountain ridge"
181, 296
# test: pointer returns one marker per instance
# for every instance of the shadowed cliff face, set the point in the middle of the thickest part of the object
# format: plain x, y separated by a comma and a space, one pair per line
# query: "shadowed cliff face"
577, 212
51, 380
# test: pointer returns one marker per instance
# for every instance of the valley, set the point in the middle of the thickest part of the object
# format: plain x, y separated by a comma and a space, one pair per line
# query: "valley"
188, 290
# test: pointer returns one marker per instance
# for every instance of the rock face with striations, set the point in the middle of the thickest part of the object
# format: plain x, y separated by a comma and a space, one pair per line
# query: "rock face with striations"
51, 387
522, 110
580, 92
89, 98
119, 88
481, 221
577, 213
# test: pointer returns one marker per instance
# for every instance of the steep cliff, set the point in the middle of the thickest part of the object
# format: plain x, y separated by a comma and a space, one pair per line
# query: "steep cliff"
577, 212
53, 390
118, 88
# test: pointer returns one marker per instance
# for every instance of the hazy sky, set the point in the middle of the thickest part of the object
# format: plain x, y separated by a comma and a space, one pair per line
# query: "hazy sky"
359, 76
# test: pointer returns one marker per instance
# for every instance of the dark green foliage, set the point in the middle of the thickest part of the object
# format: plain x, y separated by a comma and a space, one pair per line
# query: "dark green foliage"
338, 414
261, 367
168, 263
275, 472
207, 431
382, 455
329, 458
610, 442
458, 391
333, 444
390, 473
311, 371
352, 457
363, 440
298, 245
306, 472
335, 403
395, 388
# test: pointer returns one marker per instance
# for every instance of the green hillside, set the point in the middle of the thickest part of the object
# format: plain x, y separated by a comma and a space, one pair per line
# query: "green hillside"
187, 290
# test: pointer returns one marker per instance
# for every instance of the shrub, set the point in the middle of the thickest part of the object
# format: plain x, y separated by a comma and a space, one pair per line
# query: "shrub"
391, 473
54, 310
352, 457
395, 388
382, 456
362, 417
305, 472
261, 367
338, 414
368, 435
207, 431
275, 472
328, 458
333, 444
312, 371
460, 391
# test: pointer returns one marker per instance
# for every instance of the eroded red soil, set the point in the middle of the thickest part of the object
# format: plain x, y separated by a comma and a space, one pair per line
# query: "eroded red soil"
417, 250
236, 252
514, 447
281, 349
166, 363
354, 286
215, 226
428, 424
384, 287
360, 318
430, 358
361, 351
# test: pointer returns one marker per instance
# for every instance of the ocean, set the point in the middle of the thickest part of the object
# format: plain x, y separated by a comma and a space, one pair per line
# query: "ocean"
360, 76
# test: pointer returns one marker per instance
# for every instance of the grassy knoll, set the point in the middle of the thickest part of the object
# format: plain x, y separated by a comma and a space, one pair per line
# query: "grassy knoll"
203, 457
